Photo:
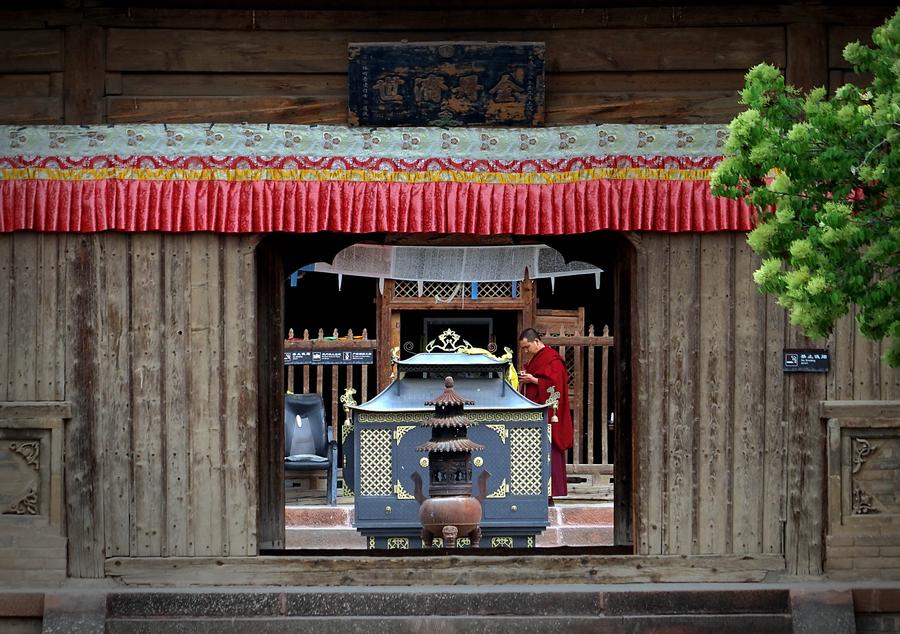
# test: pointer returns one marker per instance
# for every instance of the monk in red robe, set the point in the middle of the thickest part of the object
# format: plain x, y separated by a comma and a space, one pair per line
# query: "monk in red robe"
545, 369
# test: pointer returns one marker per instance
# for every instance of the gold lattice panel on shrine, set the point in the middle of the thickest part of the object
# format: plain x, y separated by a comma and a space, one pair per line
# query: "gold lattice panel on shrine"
375, 477
525, 461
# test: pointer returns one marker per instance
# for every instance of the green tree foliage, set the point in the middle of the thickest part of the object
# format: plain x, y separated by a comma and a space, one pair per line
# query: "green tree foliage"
822, 176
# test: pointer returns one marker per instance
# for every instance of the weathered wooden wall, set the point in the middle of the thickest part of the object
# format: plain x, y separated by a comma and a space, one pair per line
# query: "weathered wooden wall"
638, 64
153, 340
730, 449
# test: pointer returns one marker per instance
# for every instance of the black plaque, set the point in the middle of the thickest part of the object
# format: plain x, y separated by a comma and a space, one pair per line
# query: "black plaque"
446, 84
805, 360
328, 357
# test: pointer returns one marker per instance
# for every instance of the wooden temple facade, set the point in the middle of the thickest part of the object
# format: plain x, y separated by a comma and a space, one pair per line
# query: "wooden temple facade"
143, 365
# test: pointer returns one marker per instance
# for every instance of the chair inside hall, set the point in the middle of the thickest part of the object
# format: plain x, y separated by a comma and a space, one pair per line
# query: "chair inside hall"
308, 442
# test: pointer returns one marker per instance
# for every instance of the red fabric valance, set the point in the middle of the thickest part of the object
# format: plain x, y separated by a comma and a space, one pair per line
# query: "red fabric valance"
255, 206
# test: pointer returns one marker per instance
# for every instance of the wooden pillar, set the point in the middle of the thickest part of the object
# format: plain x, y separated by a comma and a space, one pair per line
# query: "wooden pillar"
270, 427
83, 477
807, 55
85, 74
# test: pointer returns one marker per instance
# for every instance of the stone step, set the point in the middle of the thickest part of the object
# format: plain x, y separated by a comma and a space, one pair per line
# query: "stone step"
703, 624
323, 538
446, 601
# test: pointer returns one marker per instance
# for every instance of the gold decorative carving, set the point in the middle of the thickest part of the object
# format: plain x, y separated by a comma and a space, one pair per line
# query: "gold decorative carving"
529, 543
501, 542
371, 542
375, 473
401, 430
525, 461
501, 491
449, 342
478, 461
398, 543
862, 502
30, 452
506, 417
463, 541
346, 430
26, 506
501, 431
394, 417
402, 494
862, 449
475, 417
423, 462
347, 398
346, 491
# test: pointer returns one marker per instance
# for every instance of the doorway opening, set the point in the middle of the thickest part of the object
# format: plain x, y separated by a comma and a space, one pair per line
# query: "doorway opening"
324, 310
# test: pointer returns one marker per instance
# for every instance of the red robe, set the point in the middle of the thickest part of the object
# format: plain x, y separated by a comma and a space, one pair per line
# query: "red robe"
550, 370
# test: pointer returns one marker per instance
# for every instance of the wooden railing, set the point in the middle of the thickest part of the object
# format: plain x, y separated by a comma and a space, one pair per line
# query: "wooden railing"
313, 376
591, 457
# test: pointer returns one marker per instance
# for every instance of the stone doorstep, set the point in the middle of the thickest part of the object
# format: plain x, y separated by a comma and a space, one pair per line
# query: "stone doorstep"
315, 516
325, 527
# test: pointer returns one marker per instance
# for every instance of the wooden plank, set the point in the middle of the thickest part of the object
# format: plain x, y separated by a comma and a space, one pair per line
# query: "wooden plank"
807, 55
236, 329
866, 366
84, 510
31, 51
840, 378
23, 300
579, 340
320, 378
306, 383
248, 389
859, 409
682, 415
7, 288
204, 384
25, 85
243, 109
645, 107
159, 17
652, 288
775, 450
330, 344
602, 83
148, 425
193, 50
749, 408
716, 414
520, 17
439, 570
290, 379
31, 110
839, 35
116, 377
176, 275
49, 323
332, 85
84, 78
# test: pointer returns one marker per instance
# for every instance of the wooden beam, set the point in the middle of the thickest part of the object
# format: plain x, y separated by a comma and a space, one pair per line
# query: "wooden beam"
487, 569
36, 409
857, 409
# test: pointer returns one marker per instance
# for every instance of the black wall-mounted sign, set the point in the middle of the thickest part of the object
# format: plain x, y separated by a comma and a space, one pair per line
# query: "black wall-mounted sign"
446, 84
329, 357
805, 360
